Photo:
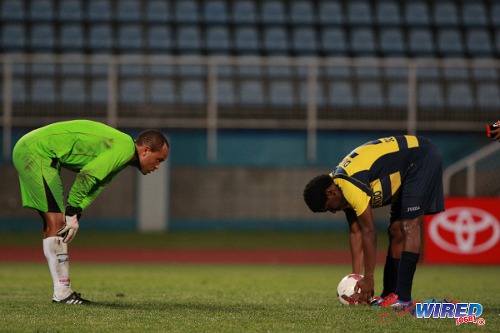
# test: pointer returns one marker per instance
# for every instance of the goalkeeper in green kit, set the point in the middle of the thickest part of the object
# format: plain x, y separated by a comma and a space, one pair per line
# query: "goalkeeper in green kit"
98, 153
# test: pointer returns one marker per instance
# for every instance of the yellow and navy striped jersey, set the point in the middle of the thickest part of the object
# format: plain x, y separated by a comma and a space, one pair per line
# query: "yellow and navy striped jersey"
373, 172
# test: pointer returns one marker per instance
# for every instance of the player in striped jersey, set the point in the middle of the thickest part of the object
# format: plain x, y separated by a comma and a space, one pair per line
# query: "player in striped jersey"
402, 171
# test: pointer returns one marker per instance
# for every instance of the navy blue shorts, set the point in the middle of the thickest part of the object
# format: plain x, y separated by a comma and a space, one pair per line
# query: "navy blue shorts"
421, 190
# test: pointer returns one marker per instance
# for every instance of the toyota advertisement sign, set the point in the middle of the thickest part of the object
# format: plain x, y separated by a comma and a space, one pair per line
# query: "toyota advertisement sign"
468, 232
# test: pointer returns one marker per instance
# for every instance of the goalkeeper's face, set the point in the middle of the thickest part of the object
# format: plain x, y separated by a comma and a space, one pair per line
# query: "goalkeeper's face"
150, 160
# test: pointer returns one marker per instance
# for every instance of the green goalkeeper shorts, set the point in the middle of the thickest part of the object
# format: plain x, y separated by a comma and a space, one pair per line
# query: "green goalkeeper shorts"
40, 180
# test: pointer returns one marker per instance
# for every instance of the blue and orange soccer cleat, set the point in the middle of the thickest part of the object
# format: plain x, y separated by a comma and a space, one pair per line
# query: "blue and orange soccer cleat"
394, 301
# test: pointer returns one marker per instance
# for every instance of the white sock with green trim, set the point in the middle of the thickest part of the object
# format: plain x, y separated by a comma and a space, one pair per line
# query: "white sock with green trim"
56, 253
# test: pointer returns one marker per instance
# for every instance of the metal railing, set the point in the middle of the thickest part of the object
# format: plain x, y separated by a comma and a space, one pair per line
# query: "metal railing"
214, 93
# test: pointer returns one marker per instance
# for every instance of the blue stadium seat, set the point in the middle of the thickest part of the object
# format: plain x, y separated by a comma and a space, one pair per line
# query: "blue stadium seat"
41, 11
130, 38
445, 14
449, 42
275, 71
363, 42
76, 68
99, 92
132, 92
359, 13
99, 11
460, 96
131, 70
421, 42
226, 95
159, 39
273, 12
215, 12
13, 10
281, 94
431, 73
302, 13
186, 12
276, 40
430, 95
370, 95
488, 96
303, 98
455, 69
251, 93
163, 92
392, 73
18, 91
161, 70
478, 42
304, 41
42, 37
73, 92
484, 69
340, 70
246, 40
217, 40
333, 41
341, 95
41, 68
43, 91
192, 71
252, 70
188, 39
495, 14
388, 13
128, 11
72, 38
417, 14
70, 11
193, 92
13, 37
392, 42
474, 14
244, 12
101, 38
330, 13
368, 70
157, 12
397, 95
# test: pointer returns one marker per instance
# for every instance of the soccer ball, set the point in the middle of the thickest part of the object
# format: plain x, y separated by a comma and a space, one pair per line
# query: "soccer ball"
345, 289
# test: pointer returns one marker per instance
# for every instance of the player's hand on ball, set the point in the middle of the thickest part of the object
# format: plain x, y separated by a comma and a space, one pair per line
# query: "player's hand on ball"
70, 228
366, 287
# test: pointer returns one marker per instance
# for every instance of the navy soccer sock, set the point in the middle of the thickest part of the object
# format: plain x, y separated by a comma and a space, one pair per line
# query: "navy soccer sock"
390, 275
407, 267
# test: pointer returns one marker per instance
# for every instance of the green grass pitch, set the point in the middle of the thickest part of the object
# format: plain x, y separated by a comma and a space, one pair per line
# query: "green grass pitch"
229, 298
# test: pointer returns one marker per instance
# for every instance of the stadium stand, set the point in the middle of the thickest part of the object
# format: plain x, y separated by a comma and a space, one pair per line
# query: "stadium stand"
384, 29
320, 28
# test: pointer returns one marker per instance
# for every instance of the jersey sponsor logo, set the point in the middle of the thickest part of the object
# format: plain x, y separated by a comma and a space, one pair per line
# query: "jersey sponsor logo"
465, 230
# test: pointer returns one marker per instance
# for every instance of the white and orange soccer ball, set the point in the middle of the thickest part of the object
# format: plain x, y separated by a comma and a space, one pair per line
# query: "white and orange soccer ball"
345, 289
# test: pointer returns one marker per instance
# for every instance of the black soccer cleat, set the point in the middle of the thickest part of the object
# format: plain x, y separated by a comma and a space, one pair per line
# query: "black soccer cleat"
74, 298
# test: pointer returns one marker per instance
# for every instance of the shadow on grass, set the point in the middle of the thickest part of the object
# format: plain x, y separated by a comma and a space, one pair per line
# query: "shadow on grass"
176, 306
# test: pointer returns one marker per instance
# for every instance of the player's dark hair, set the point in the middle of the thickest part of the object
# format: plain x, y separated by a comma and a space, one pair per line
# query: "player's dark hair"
152, 138
315, 192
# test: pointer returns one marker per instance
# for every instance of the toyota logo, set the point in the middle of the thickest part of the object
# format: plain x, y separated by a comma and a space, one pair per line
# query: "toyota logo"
465, 230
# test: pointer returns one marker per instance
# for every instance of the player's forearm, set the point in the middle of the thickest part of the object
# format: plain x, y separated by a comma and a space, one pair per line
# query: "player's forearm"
83, 185
356, 245
370, 251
